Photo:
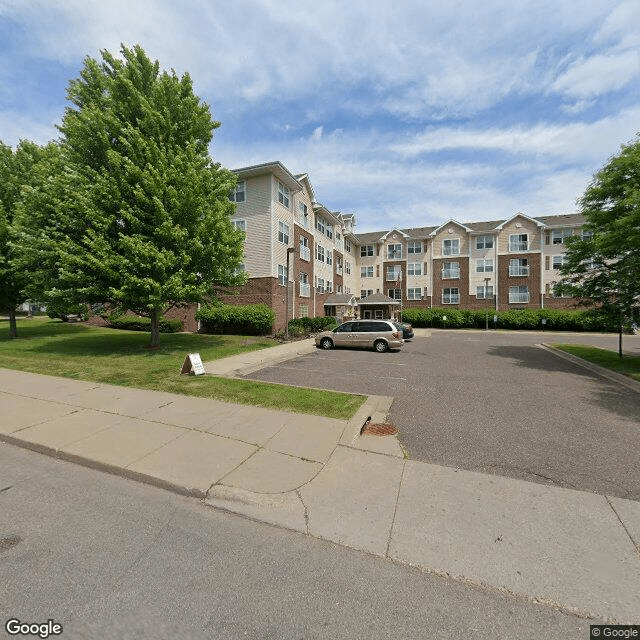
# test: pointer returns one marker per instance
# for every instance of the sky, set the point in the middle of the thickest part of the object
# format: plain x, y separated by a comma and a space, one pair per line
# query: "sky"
406, 113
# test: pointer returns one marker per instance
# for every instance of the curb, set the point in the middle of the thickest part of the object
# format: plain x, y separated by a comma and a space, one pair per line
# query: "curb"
601, 371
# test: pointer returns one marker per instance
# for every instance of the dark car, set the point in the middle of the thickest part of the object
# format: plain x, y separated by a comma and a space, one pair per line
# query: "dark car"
407, 329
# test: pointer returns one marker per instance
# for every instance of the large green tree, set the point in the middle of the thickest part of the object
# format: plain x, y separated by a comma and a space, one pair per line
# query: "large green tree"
16, 177
602, 267
138, 216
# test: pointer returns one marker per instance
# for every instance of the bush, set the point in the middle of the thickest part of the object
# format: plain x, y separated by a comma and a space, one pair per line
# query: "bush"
64, 310
523, 319
252, 319
312, 325
134, 323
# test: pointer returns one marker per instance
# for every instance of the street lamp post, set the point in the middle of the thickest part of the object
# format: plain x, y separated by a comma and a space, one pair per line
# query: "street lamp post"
486, 311
290, 250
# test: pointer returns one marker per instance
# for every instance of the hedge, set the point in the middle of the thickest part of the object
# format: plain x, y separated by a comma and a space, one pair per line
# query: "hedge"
556, 319
312, 325
251, 319
134, 323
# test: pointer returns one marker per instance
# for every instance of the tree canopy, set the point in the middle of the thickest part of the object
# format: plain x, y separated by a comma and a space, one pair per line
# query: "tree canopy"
602, 267
137, 214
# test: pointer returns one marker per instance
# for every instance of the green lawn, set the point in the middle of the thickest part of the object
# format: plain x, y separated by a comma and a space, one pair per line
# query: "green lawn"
121, 357
628, 365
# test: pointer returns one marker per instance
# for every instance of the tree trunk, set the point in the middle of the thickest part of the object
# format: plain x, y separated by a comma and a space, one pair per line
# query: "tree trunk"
13, 326
620, 336
155, 328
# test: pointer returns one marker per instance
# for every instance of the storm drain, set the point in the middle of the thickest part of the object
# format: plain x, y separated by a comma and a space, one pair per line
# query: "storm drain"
380, 429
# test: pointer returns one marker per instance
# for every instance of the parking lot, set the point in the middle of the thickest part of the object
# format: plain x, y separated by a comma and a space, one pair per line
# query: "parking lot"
497, 403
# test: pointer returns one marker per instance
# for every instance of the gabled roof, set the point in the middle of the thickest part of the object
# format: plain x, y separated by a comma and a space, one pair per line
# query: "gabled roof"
394, 230
377, 299
341, 298
322, 210
442, 226
303, 178
521, 215
566, 220
276, 168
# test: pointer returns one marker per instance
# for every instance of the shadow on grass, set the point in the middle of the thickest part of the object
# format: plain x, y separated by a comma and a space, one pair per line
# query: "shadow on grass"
615, 398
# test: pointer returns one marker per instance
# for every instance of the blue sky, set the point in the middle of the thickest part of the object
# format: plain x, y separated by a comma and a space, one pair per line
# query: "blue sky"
406, 113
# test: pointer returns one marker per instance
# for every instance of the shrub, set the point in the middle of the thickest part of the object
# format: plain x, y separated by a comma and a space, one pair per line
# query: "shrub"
252, 319
63, 310
135, 323
312, 325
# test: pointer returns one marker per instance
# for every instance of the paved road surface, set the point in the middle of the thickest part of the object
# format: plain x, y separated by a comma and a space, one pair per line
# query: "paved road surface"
109, 558
495, 403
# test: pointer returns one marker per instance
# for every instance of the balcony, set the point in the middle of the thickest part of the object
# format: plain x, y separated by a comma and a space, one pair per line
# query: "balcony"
305, 253
339, 270
448, 274
515, 246
518, 298
305, 290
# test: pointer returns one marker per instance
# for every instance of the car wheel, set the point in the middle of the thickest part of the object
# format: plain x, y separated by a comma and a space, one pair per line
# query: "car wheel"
380, 346
326, 343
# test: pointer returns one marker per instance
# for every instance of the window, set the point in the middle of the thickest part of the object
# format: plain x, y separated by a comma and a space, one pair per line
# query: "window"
450, 270
519, 242
239, 194
305, 252
518, 294
282, 274
240, 224
484, 266
329, 256
484, 242
451, 296
319, 284
364, 293
303, 218
347, 267
558, 261
303, 311
347, 246
394, 273
394, 251
366, 272
587, 235
328, 286
320, 224
414, 246
239, 269
558, 235
451, 247
414, 269
519, 267
484, 293
283, 233
396, 294
329, 231
319, 253
283, 195
366, 250
305, 290
414, 293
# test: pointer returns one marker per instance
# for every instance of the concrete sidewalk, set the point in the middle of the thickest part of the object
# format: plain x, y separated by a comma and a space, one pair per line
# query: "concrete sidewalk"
574, 550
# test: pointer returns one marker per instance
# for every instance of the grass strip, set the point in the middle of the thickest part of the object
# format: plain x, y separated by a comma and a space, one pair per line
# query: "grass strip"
627, 365
123, 358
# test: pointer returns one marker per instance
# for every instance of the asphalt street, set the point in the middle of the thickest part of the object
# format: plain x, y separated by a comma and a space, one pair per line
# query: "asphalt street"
494, 402
107, 557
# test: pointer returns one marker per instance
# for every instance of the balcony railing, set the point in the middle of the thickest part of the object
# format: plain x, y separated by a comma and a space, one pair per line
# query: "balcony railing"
305, 253
518, 297
339, 270
305, 290
450, 273
452, 298
519, 270
518, 246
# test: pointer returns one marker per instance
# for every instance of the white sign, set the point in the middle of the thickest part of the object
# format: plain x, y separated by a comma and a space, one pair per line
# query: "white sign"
193, 364
495, 318
444, 318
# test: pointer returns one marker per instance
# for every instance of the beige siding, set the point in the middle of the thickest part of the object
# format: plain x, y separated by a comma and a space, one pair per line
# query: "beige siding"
256, 211
450, 231
519, 226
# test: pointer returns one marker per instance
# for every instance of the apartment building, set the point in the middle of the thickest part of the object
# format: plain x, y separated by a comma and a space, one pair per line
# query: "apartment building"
301, 254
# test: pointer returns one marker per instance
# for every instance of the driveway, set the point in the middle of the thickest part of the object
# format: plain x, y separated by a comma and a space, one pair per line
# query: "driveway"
497, 403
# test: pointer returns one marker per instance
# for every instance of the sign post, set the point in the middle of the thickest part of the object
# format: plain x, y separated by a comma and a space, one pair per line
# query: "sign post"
193, 364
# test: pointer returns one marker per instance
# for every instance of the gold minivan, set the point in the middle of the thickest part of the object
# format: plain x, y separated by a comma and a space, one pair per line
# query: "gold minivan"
380, 335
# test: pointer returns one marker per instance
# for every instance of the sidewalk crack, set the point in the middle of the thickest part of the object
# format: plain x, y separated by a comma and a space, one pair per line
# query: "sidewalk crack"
635, 544
306, 512
395, 510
